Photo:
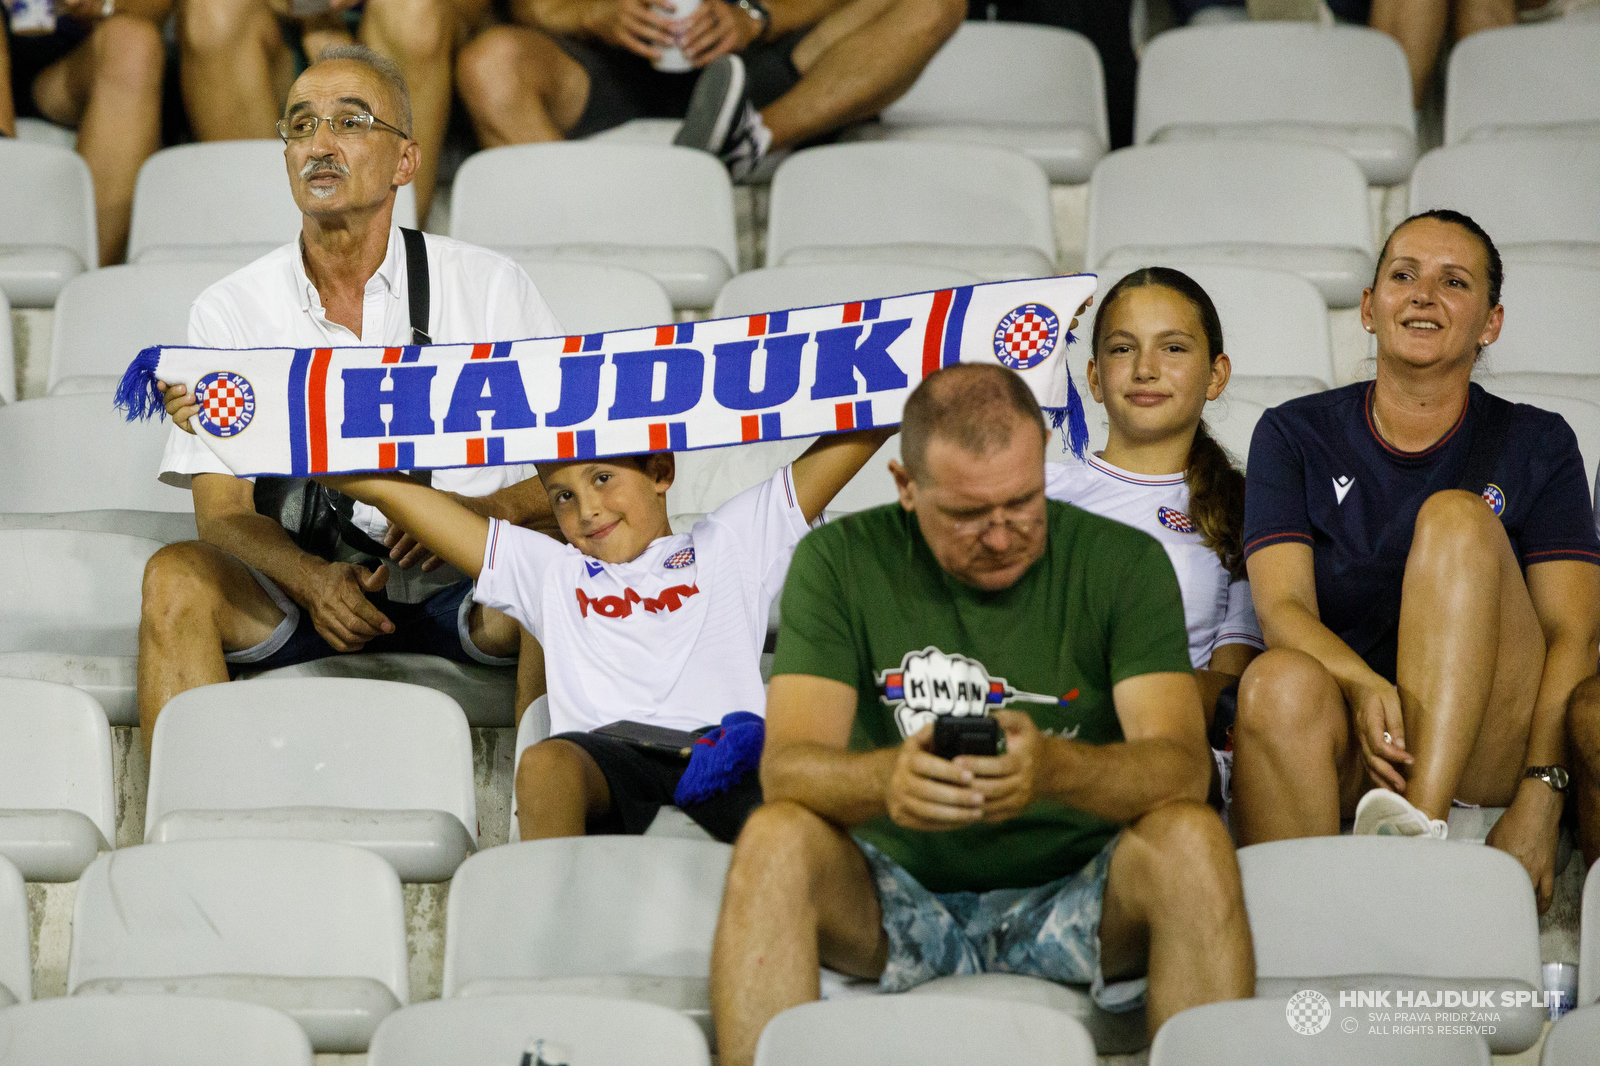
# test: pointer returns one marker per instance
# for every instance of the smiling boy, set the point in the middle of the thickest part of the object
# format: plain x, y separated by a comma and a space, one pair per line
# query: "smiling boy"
637, 623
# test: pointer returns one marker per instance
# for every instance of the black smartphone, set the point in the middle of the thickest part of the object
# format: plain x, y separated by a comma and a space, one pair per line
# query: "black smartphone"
962, 735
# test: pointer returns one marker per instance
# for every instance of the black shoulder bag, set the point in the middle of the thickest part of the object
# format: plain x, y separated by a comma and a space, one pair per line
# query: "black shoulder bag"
318, 519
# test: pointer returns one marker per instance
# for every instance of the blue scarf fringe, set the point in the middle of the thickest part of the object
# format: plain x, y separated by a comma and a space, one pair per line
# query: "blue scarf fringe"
1075, 435
137, 394
721, 758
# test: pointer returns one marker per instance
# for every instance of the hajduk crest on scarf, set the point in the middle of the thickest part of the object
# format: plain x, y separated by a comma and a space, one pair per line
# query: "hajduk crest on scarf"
797, 373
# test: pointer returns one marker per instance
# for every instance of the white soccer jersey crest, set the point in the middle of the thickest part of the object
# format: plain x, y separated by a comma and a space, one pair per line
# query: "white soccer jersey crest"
672, 638
1217, 609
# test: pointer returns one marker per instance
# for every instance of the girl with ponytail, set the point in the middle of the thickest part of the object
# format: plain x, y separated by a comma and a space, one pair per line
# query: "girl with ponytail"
1156, 359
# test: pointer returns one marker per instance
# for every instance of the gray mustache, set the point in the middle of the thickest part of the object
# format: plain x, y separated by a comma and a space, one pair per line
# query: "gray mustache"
317, 166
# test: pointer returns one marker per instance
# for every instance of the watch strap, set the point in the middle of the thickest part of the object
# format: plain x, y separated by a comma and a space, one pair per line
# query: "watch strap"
1555, 776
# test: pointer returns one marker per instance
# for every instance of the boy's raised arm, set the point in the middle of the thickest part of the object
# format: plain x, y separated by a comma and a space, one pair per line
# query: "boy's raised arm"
829, 464
446, 528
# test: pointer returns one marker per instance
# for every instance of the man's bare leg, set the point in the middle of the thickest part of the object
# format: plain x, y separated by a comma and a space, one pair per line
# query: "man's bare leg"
799, 892
559, 788
1583, 734
1295, 763
1419, 26
419, 35
857, 61
109, 87
199, 603
520, 87
1174, 910
235, 71
1467, 689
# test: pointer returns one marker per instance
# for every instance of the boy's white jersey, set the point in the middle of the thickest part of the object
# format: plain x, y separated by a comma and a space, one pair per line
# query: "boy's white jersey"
1217, 609
672, 638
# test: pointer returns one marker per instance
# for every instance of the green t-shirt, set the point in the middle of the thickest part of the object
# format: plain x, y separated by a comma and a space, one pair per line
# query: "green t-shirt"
867, 604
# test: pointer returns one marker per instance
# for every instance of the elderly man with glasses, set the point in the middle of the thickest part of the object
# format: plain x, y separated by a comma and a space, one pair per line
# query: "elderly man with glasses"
1072, 842
284, 572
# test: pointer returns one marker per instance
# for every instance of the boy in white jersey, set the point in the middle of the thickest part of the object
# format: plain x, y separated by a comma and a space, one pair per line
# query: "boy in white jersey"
637, 623
1156, 359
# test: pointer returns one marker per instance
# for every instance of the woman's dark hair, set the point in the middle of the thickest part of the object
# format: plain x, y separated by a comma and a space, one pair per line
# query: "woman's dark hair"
1216, 487
1497, 271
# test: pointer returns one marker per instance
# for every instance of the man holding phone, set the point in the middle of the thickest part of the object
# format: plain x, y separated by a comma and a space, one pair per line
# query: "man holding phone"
1082, 853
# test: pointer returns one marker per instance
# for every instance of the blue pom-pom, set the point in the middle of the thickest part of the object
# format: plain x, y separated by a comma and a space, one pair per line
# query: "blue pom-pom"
137, 394
720, 759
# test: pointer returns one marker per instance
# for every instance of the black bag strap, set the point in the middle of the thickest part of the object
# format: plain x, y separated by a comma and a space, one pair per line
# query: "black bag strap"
1488, 441
417, 283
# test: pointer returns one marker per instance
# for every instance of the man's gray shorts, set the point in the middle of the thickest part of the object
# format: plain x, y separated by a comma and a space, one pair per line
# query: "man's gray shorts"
1052, 931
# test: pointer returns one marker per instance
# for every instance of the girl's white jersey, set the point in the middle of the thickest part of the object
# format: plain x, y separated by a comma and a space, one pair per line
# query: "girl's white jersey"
1216, 608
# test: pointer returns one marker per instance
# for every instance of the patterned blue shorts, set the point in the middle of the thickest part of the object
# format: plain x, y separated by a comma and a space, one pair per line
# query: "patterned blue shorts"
1052, 931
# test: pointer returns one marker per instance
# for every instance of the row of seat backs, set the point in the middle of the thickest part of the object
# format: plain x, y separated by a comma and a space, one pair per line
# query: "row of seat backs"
634, 918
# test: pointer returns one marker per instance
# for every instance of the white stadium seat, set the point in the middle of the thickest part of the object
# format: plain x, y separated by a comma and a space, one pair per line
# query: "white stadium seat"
1523, 81
150, 1031
16, 967
785, 288
597, 298
57, 806
42, 131
377, 764
1572, 1040
1255, 1032
979, 209
312, 929
223, 201
1038, 90
1547, 344
78, 453
582, 1030
1347, 87
1285, 206
106, 317
625, 917
1582, 415
47, 221
69, 611
1589, 940
8, 358
484, 693
1345, 914
1539, 199
665, 210
923, 1031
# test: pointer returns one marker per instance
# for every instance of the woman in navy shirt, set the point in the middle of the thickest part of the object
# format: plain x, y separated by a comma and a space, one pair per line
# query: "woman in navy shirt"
1424, 565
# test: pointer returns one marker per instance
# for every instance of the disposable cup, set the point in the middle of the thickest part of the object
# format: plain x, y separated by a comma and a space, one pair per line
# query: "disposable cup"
31, 17
672, 60
1561, 979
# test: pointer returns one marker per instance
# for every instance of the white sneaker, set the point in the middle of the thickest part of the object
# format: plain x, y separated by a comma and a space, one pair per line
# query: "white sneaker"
1387, 814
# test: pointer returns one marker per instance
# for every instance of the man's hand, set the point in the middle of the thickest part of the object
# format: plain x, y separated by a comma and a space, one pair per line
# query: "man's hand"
714, 30
180, 407
1528, 832
927, 792
336, 596
643, 27
1006, 782
1381, 731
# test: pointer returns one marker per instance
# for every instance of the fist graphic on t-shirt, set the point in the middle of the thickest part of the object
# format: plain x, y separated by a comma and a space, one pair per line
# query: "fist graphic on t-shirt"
929, 683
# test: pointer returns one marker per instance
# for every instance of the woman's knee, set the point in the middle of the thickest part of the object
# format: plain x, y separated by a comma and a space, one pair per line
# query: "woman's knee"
1286, 695
1455, 521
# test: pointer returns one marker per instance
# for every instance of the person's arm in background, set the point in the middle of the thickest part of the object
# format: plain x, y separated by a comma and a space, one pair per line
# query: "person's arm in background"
8, 107
643, 27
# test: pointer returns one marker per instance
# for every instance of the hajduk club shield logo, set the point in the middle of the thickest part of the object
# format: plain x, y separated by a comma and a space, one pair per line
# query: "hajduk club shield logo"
1495, 498
227, 403
1026, 336
1174, 520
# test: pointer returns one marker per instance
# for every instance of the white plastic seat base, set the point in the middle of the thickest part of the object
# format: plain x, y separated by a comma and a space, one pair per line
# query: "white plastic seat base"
990, 263
16, 963
1572, 1040
1517, 1029
691, 276
110, 679
486, 693
688, 996
34, 275
1113, 1034
1552, 253
1067, 153
338, 1014
1338, 273
50, 845
1215, 1034
144, 1030
1385, 154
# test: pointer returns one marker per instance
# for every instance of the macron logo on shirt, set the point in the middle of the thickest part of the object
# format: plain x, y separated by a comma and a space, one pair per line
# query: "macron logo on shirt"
1341, 486
669, 600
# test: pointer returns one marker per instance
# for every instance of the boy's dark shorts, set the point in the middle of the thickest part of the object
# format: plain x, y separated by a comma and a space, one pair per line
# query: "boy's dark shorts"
642, 782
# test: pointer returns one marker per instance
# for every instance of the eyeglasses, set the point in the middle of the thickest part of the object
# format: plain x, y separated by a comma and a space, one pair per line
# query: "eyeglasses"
345, 124
1018, 520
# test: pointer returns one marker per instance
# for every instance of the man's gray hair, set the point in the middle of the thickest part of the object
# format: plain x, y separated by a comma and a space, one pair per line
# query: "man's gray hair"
383, 66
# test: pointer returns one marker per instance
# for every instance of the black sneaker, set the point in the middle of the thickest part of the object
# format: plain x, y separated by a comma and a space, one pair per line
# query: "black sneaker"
721, 120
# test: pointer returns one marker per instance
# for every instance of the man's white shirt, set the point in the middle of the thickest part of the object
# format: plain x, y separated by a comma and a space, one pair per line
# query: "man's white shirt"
1217, 609
672, 638
475, 296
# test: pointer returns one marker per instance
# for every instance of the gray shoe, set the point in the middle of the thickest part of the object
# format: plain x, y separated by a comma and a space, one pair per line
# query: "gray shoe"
721, 120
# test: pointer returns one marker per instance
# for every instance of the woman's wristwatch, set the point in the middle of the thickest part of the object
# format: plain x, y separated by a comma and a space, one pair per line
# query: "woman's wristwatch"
1554, 776
758, 12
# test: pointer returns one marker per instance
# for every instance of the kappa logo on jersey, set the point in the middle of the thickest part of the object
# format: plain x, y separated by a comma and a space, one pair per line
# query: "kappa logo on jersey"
1026, 336
929, 683
1494, 498
1341, 486
595, 569
680, 559
669, 600
227, 403
1174, 520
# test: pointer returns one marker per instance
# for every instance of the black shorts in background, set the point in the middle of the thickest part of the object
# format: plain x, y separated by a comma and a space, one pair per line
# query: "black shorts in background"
642, 782
33, 54
624, 86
